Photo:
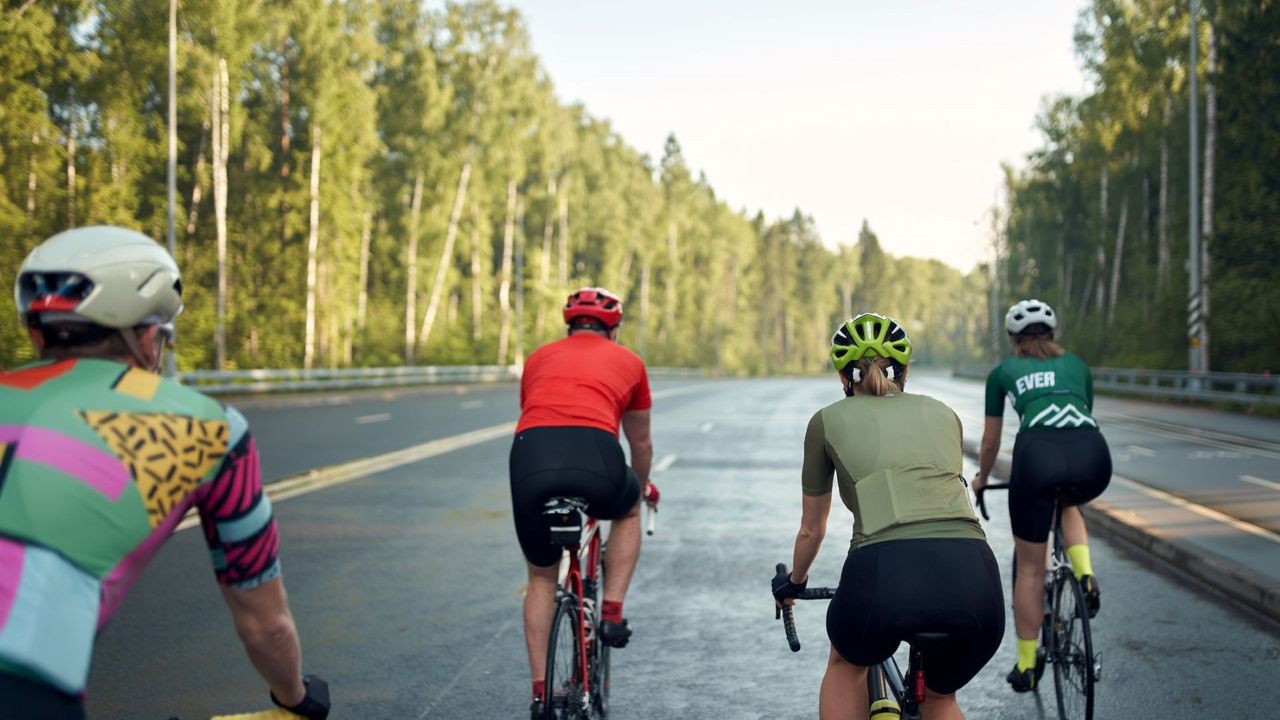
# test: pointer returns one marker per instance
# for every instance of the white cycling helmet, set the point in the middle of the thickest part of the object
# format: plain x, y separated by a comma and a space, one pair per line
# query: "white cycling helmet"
1029, 312
106, 276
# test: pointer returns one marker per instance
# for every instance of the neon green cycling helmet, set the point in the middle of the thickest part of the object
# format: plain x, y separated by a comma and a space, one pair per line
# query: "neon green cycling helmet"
870, 334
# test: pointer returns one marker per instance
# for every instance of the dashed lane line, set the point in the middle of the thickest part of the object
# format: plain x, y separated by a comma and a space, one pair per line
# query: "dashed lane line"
375, 418
1260, 482
663, 464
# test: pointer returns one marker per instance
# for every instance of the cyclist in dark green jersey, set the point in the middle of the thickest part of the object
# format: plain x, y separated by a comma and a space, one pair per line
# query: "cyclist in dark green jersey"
919, 561
1058, 450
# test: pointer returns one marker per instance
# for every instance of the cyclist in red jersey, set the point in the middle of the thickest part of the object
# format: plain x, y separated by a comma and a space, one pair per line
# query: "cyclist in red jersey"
574, 393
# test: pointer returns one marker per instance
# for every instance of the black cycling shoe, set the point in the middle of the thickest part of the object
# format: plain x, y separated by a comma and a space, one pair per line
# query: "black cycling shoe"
537, 711
615, 635
1092, 595
1027, 680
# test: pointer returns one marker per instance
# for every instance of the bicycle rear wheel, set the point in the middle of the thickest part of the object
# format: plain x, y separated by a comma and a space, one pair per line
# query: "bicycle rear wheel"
563, 680
1071, 649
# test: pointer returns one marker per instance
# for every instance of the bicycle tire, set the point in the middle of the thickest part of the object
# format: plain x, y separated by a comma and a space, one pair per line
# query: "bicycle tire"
563, 685
1071, 650
600, 665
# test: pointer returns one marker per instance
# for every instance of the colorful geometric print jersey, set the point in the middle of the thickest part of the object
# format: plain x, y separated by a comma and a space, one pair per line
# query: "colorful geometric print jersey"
1051, 394
98, 464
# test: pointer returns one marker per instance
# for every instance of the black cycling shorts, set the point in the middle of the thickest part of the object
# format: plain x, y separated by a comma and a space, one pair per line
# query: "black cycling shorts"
1075, 462
582, 462
892, 590
22, 699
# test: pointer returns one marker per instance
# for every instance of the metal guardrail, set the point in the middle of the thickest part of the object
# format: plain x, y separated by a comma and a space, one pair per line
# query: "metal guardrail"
226, 382
1243, 388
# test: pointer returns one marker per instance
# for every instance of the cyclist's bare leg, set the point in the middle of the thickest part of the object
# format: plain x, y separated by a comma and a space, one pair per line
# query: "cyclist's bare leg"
844, 690
539, 606
620, 559
940, 707
1073, 529
1028, 589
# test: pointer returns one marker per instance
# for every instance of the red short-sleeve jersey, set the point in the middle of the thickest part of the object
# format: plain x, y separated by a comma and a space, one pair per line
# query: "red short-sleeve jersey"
583, 380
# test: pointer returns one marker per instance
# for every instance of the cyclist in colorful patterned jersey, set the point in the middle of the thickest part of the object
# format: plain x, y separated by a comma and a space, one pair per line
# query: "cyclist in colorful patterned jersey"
574, 393
1058, 449
100, 458
919, 561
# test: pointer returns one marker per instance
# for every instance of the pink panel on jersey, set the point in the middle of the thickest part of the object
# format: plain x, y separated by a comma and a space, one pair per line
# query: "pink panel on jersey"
11, 555
98, 469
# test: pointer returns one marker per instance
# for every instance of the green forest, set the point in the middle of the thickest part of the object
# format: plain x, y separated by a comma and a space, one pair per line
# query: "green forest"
1098, 222
372, 182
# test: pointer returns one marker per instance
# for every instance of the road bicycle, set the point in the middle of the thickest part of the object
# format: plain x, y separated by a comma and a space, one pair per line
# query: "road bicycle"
891, 694
577, 679
1064, 635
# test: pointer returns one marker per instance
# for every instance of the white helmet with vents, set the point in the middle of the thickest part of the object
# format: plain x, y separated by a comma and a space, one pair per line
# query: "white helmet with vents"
1027, 313
107, 276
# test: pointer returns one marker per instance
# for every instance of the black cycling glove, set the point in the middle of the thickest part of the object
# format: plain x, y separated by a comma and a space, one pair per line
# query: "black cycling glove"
784, 589
315, 704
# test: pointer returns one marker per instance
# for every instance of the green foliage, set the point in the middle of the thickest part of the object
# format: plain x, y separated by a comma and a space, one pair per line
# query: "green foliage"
389, 102
1120, 155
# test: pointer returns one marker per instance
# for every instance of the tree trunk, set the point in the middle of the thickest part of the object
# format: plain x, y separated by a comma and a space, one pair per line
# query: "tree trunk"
31, 180
71, 168
219, 111
313, 246
564, 237
520, 246
623, 284
477, 297
1162, 225
1116, 259
504, 287
1206, 212
644, 305
411, 272
446, 254
544, 262
362, 299
673, 281
197, 192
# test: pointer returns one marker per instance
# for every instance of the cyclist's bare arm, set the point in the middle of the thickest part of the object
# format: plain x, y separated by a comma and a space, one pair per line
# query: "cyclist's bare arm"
635, 423
813, 528
266, 628
988, 449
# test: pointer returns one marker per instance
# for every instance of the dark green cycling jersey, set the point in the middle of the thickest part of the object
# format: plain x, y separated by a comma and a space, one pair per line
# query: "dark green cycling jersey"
897, 460
1051, 394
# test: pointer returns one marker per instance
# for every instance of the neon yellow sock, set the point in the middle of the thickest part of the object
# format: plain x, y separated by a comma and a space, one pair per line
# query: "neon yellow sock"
1026, 654
1080, 564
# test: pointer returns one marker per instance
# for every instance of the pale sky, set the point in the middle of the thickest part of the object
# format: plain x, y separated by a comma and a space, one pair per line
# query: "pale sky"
897, 112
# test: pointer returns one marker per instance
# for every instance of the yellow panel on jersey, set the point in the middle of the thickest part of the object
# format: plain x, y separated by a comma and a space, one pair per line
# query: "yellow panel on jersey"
138, 383
167, 454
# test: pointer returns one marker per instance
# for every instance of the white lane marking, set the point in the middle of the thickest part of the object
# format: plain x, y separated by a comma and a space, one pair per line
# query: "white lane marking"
1260, 482
472, 404
320, 478
1139, 450
1200, 510
664, 463
706, 427
375, 418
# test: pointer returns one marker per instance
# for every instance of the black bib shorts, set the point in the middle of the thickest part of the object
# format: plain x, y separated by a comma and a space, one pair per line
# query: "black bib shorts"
23, 699
584, 462
892, 590
1076, 462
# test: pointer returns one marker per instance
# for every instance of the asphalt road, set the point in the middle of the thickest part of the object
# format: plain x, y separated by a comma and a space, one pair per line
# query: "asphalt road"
406, 585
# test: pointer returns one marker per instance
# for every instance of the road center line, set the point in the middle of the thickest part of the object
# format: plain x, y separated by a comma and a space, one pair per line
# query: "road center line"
1139, 450
320, 478
375, 418
1260, 482
663, 464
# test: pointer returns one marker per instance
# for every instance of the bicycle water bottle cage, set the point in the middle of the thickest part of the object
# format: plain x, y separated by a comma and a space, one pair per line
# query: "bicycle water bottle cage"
564, 519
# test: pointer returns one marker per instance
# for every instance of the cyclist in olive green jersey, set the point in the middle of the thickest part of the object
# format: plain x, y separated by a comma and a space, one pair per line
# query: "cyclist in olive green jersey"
1058, 449
919, 561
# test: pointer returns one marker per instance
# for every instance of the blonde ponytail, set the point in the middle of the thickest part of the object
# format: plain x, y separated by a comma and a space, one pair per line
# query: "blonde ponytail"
874, 377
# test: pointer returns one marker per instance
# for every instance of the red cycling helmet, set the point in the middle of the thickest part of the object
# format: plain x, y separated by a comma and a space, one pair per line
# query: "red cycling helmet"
595, 303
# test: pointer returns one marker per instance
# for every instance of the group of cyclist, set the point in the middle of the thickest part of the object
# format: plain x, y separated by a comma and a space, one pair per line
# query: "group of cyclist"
100, 458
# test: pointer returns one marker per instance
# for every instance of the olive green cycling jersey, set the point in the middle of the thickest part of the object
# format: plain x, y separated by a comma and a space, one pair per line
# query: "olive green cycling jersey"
1051, 394
897, 461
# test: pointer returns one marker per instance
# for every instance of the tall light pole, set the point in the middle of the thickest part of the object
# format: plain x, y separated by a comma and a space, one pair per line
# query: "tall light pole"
171, 361
1196, 362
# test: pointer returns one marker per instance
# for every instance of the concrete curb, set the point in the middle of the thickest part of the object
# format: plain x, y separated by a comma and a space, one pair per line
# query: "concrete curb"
1234, 580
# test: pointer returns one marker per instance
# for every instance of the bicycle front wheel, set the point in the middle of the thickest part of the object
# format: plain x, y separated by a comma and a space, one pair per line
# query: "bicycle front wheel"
1071, 649
563, 680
